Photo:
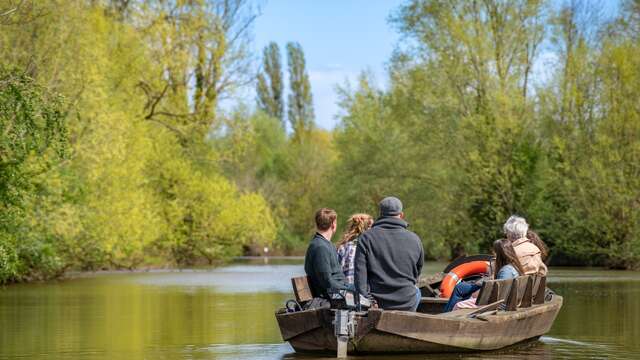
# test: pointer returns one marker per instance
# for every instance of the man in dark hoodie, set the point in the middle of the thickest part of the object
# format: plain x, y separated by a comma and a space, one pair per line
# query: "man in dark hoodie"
321, 260
389, 260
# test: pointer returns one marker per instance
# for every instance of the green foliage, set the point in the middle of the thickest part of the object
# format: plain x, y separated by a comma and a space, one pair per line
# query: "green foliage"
291, 173
139, 186
140, 166
458, 137
34, 139
300, 105
270, 83
593, 155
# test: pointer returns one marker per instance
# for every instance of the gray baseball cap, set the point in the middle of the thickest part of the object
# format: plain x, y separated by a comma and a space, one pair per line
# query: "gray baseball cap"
390, 206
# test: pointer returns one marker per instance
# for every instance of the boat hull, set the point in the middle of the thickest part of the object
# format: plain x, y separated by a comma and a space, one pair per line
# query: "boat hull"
380, 331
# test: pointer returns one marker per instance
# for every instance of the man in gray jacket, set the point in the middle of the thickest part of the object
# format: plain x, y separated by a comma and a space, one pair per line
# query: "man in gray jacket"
389, 260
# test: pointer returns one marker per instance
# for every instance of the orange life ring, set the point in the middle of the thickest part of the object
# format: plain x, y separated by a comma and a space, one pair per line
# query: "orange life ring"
460, 272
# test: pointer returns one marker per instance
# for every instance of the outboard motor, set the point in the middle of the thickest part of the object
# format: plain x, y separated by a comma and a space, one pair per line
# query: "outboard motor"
348, 300
346, 303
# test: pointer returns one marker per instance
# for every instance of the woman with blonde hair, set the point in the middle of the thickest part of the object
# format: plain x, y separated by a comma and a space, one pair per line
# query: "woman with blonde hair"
356, 225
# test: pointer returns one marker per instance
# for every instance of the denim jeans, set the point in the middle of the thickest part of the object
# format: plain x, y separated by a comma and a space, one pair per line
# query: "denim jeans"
462, 291
418, 297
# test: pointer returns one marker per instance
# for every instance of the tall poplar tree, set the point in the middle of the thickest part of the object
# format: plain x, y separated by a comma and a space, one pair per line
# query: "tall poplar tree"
300, 106
270, 84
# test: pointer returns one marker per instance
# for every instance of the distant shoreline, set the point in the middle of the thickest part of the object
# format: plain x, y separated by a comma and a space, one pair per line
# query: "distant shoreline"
269, 257
166, 269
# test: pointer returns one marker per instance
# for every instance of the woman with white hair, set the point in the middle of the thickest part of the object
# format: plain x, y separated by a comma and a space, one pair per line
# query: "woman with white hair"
529, 255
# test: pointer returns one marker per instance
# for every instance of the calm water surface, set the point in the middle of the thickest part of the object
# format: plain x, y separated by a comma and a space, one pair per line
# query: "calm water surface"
227, 313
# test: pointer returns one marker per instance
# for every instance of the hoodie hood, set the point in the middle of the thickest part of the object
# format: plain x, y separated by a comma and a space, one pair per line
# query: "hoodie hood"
388, 222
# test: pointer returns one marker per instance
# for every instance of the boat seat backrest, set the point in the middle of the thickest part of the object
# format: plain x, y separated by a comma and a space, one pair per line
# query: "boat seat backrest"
521, 292
526, 300
516, 293
301, 289
539, 287
488, 293
493, 290
529, 290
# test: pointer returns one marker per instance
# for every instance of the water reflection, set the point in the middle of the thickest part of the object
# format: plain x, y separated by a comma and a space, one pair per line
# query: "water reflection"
227, 313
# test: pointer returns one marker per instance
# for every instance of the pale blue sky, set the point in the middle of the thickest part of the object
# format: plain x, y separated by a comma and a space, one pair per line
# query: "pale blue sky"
340, 40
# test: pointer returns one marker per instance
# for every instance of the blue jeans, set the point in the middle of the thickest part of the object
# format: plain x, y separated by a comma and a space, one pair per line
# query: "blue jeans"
462, 291
418, 297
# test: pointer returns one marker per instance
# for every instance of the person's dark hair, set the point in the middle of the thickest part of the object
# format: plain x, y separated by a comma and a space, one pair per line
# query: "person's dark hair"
505, 254
535, 240
324, 218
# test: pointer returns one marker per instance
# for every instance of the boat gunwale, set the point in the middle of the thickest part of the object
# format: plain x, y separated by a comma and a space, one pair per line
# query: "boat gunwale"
515, 314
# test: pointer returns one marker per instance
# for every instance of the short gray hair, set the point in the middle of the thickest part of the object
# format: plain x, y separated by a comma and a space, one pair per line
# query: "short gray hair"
516, 227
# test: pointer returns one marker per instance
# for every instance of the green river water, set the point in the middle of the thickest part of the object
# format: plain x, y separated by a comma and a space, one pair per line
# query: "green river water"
228, 313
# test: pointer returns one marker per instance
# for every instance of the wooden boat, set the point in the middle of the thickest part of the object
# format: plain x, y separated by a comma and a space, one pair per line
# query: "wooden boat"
511, 311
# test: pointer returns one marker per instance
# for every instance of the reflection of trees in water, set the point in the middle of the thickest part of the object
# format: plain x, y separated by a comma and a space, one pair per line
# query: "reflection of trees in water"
599, 311
164, 315
108, 316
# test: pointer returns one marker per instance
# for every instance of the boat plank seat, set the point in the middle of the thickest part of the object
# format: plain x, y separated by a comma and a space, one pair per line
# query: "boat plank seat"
521, 292
432, 305
486, 308
527, 296
494, 290
301, 289
539, 288
433, 300
524, 292
516, 292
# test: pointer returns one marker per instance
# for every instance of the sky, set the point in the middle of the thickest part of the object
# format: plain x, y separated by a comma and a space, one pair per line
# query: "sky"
340, 40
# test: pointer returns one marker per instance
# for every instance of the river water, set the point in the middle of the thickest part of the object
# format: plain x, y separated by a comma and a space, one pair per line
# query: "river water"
228, 313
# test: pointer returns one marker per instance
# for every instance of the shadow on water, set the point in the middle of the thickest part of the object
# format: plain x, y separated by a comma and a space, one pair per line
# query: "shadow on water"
227, 313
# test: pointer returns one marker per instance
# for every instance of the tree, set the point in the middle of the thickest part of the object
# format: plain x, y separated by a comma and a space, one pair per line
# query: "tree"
590, 136
484, 50
130, 192
270, 83
300, 104
34, 138
201, 49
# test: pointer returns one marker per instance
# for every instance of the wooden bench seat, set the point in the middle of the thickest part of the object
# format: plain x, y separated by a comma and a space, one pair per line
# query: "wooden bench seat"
521, 292
432, 305
301, 289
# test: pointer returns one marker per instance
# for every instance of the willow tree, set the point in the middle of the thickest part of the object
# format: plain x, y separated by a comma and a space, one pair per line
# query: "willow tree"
34, 138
